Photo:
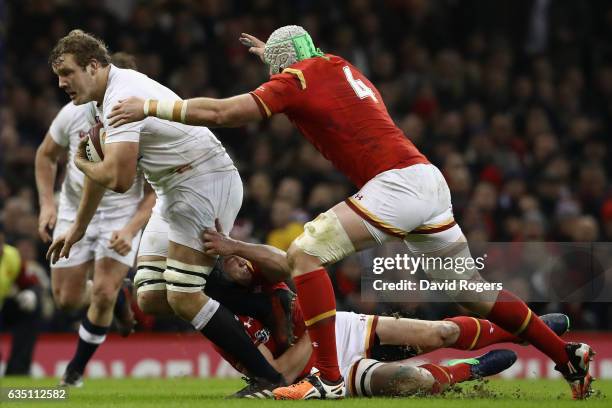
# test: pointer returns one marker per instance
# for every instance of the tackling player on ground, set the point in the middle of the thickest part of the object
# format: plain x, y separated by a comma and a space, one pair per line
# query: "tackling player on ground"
371, 349
402, 196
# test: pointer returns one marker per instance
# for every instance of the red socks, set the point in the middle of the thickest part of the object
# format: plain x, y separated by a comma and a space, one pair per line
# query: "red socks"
514, 315
478, 333
447, 375
318, 304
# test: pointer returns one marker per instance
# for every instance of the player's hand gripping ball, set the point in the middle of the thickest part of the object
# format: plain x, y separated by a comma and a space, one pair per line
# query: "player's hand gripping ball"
94, 148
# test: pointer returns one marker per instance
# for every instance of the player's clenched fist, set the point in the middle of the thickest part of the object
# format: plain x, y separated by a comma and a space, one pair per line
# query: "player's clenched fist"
127, 111
121, 241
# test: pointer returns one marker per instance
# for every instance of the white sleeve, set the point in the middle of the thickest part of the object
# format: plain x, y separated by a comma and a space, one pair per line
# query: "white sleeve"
129, 132
60, 127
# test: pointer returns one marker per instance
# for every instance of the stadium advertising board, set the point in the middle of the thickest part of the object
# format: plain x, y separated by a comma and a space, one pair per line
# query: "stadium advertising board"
178, 355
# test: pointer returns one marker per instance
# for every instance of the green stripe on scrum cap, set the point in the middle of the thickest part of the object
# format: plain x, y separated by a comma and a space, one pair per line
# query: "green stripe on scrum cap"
304, 47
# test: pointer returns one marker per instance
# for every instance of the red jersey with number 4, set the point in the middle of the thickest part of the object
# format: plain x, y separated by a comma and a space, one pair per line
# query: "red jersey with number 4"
342, 114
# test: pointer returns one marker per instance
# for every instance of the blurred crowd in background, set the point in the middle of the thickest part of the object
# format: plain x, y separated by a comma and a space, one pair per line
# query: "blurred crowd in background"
511, 99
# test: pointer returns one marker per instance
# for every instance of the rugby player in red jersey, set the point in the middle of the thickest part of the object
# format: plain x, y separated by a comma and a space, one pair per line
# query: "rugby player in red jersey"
402, 196
371, 349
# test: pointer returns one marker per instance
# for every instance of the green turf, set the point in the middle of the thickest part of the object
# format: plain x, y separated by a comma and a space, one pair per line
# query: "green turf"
187, 392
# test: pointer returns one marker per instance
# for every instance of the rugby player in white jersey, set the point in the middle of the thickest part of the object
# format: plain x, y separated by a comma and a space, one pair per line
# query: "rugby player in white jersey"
110, 241
186, 166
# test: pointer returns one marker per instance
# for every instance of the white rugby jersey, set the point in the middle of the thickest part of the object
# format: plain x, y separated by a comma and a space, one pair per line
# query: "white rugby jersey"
66, 130
170, 152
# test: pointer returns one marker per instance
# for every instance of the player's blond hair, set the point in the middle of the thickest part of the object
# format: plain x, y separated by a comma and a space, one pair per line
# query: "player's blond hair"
83, 46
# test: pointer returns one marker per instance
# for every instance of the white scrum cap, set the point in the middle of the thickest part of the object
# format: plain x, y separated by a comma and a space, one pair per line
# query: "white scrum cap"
288, 45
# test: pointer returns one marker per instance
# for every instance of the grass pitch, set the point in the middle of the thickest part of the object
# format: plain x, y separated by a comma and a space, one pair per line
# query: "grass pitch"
189, 392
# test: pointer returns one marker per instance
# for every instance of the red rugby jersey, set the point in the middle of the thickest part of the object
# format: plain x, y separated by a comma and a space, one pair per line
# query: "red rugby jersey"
342, 114
260, 334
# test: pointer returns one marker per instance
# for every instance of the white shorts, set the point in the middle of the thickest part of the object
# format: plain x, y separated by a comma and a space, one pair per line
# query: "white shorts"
193, 206
355, 335
154, 241
95, 244
412, 204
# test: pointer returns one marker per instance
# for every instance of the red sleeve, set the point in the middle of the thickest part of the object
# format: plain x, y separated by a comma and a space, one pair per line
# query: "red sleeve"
277, 95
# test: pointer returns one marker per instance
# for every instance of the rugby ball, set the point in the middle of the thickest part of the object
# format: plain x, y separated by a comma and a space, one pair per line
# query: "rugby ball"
95, 144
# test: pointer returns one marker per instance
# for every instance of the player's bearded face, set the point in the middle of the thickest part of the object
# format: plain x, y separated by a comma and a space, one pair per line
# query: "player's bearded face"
78, 82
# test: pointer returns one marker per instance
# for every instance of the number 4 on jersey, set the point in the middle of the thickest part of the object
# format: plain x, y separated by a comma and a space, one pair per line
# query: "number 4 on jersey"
361, 89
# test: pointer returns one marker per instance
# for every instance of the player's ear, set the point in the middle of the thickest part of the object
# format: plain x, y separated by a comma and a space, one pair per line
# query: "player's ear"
92, 67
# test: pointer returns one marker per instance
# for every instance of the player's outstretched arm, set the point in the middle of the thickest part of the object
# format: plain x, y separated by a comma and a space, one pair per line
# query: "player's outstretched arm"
45, 168
229, 112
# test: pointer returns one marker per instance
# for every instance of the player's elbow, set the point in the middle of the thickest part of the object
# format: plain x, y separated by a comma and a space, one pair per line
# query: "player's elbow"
282, 271
39, 155
39, 159
119, 175
222, 114
209, 116
43, 155
121, 184
220, 118
121, 187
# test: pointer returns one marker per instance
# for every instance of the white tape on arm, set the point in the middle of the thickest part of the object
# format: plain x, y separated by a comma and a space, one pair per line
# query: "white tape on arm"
166, 109
184, 111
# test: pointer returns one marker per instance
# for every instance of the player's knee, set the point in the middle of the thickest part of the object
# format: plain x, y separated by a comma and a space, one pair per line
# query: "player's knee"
67, 300
413, 379
68, 303
324, 241
103, 296
178, 303
295, 255
393, 379
153, 302
57, 296
300, 261
446, 333
410, 380
407, 374
182, 282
